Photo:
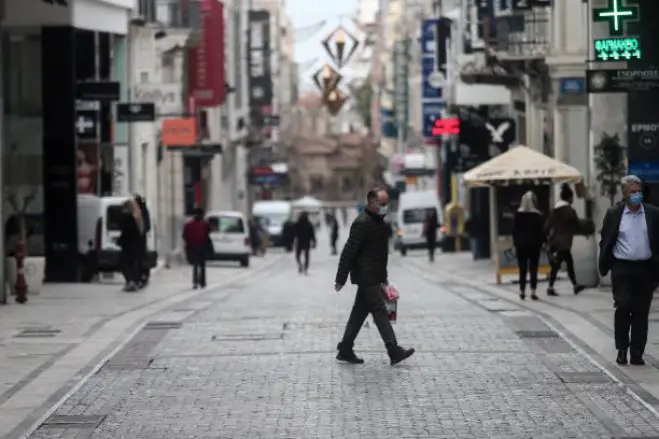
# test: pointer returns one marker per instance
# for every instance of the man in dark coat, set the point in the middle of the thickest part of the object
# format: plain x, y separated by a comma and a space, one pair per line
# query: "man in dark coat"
144, 269
305, 238
365, 257
334, 233
562, 225
288, 234
629, 249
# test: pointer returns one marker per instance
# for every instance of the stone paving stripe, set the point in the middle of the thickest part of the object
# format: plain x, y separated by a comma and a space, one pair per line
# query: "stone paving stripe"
537, 334
82, 421
635, 437
163, 325
38, 333
583, 377
247, 337
129, 363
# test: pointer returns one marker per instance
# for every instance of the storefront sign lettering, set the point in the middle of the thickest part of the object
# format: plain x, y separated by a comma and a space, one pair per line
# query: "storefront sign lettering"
167, 97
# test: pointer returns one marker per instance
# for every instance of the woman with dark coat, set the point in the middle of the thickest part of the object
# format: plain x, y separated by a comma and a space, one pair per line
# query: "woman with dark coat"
305, 238
430, 226
528, 237
334, 233
562, 225
130, 242
196, 235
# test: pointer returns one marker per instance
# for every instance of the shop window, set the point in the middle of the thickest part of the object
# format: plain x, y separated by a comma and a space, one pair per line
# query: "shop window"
22, 79
346, 184
317, 184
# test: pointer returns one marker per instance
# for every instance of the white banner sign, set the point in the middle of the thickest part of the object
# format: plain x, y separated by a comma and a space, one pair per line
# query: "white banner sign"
167, 97
120, 172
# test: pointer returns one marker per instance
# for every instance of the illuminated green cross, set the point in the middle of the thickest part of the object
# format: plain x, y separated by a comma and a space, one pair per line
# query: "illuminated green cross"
616, 14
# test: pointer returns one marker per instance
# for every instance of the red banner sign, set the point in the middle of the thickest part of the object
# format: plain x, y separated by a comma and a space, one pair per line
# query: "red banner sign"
446, 127
206, 61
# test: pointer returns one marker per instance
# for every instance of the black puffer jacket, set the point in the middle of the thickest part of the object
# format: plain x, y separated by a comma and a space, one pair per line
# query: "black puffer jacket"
366, 252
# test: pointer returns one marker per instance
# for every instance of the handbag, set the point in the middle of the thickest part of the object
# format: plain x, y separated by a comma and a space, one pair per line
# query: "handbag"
391, 296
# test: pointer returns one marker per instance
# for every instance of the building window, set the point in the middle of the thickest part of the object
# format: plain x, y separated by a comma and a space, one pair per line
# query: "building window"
346, 184
317, 184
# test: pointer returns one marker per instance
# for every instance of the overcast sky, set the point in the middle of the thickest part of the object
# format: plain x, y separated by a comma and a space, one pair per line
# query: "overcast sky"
307, 13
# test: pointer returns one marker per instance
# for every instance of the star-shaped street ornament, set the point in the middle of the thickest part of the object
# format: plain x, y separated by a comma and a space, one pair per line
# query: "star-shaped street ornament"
340, 45
335, 101
326, 79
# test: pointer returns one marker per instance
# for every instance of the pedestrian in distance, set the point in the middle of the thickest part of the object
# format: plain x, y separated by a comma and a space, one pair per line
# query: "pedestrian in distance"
305, 239
143, 267
334, 233
130, 242
365, 257
254, 236
560, 228
629, 249
196, 236
528, 239
430, 225
288, 234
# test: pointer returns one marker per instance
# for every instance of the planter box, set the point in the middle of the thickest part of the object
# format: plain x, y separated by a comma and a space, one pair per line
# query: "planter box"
34, 268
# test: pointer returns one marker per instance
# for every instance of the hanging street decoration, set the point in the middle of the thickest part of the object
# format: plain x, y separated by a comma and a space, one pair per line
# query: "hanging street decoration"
617, 14
335, 101
618, 49
326, 79
340, 45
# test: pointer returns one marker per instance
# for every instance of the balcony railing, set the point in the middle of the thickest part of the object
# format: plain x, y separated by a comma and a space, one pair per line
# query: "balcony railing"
523, 35
179, 14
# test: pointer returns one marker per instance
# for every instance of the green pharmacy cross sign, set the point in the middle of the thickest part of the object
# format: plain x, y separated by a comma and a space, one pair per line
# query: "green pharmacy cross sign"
618, 49
616, 14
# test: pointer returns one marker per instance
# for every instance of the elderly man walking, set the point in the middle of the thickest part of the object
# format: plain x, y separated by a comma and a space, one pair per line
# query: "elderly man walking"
629, 249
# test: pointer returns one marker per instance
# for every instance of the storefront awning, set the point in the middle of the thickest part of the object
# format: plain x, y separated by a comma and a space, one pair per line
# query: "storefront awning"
521, 164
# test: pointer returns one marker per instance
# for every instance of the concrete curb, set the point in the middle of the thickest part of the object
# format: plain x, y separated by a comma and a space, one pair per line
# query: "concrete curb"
23, 431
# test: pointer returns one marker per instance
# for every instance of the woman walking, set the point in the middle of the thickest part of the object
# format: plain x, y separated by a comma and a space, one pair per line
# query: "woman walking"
562, 225
528, 237
196, 235
305, 238
430, 226
130, 242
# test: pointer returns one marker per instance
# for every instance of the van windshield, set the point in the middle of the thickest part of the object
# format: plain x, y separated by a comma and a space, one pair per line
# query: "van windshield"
275, 219
113, 217
416, 216
226, 224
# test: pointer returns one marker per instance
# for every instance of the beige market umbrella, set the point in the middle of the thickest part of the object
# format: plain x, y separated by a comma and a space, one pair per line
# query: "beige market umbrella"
521, 164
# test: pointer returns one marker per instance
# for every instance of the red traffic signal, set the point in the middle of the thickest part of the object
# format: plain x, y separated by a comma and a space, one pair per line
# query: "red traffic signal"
446, 127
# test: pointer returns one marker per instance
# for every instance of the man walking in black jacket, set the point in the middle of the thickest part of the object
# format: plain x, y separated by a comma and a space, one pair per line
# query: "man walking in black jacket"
364, 257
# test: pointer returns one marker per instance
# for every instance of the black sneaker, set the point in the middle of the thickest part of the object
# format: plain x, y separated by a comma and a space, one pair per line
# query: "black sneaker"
398, 354
578, 289
349, 357
552, 292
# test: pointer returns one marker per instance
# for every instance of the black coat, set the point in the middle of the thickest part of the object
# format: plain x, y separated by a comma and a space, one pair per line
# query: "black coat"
528, 230
305, 235
611, 227
131, 238
366, 253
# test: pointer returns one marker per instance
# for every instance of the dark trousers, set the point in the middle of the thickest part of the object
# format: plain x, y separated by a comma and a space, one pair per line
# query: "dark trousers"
334, 239
368, 300
431, 244
128, 262
633, 287
558, 258
299, 251
528, 258
198, 261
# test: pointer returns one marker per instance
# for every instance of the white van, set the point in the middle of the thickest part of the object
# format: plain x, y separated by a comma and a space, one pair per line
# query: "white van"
99, 228
275, 213
413, 208
230, 237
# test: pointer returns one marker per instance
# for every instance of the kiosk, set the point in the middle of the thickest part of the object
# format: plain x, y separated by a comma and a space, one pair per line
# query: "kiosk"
508, 176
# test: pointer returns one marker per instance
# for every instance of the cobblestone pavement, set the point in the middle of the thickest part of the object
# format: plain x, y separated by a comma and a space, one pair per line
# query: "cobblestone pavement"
260, 364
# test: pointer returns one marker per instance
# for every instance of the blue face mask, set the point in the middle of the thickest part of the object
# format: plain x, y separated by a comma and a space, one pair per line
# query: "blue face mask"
383, 210
636, 198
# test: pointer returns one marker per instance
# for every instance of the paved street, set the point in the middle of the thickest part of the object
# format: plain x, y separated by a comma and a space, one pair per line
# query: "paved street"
255, 359
49, 344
